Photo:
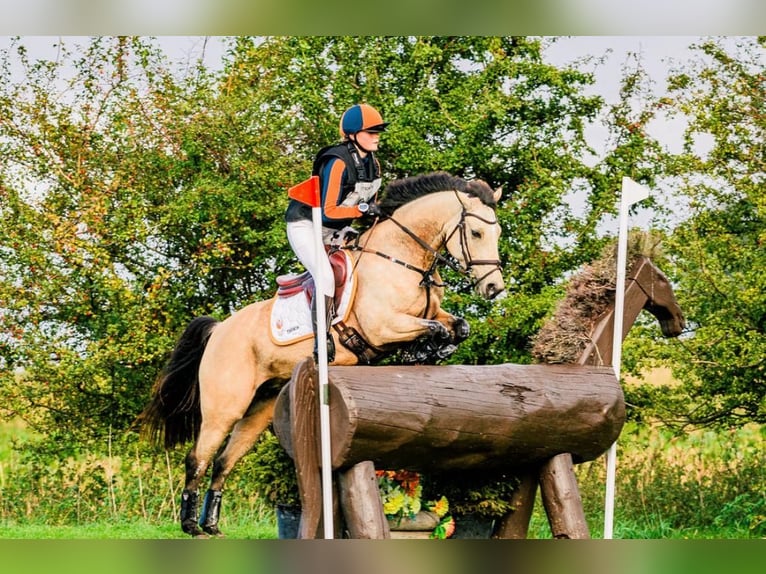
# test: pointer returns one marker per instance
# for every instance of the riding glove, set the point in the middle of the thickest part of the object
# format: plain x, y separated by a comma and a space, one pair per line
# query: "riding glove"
370, 209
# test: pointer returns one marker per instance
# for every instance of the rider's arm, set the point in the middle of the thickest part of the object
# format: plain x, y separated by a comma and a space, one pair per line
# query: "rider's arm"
332, 185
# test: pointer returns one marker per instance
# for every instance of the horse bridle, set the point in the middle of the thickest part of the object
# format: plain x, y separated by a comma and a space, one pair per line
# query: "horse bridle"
470, 263
428, 274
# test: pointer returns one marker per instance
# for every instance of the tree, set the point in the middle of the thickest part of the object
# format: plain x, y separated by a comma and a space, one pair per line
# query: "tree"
132, 201
716, 252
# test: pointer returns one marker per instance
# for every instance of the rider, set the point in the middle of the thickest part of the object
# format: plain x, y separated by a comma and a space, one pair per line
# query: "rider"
349, 176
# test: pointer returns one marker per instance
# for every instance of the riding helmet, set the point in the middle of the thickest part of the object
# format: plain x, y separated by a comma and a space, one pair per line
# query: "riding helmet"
361, 117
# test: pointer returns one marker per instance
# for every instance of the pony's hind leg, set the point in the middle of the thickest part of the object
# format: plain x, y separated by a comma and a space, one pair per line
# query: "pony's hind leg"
197, 462
241, 440
190, 496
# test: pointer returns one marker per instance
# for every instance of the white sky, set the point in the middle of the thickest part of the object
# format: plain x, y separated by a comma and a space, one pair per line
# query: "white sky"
656, 54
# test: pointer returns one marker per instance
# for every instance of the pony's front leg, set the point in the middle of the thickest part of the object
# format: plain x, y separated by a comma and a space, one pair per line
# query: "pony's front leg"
438, 346
456, 325
429, 340
403, 328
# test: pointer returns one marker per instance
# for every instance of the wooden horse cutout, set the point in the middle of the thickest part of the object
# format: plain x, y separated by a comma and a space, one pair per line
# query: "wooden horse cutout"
223, 378
648, 289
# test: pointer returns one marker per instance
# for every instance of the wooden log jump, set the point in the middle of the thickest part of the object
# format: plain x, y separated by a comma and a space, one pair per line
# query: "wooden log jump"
436, 418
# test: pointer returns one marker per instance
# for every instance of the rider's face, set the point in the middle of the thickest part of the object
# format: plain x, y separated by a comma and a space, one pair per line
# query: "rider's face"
368, 141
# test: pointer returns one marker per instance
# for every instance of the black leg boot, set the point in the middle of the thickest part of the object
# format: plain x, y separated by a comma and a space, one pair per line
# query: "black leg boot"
329, 311
211, 510
329, 305
189, 502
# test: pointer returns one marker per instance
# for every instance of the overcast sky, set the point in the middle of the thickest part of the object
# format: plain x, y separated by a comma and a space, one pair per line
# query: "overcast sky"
656, 54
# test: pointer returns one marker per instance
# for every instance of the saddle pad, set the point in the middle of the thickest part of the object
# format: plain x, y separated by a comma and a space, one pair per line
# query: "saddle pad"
291, 316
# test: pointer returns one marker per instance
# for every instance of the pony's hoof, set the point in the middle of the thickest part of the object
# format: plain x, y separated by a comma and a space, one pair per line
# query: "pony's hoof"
438, 331
461, 328
214, 532
446, 351
192, 529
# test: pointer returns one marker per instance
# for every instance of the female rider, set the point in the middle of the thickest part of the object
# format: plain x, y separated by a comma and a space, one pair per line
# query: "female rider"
349, 176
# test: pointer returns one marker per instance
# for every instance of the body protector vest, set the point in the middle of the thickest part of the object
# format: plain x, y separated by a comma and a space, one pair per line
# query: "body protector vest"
362, 180
361, 183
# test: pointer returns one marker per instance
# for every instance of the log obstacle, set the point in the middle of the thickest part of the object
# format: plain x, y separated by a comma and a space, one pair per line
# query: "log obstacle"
441, 418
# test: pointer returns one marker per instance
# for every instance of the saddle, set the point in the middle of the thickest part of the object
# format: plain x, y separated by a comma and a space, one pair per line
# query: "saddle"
289, 285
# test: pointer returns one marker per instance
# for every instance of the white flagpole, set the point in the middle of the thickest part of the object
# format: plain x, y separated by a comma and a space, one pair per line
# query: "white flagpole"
632, 193
324, 385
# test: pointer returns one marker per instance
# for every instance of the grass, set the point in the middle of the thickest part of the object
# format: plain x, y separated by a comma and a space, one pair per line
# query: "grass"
705, 484
106, 530
648, 528
702, 485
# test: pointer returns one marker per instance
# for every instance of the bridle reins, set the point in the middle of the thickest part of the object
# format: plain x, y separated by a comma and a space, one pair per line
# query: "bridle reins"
428, 274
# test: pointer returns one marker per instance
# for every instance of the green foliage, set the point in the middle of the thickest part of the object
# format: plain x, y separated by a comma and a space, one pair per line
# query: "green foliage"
119, 484
705, 484
715, 253
273, 472
701, 478
487, 495
145, 210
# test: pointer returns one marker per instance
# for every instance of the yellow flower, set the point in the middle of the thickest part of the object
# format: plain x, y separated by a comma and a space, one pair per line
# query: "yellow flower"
393, 503
440, 507
400, 493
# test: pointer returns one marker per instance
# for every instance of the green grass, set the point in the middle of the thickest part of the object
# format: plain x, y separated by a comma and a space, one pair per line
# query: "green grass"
628, 528
129, 531
624, 528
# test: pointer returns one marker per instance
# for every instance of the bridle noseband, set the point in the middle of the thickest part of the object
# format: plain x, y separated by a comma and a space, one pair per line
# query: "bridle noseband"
469, 261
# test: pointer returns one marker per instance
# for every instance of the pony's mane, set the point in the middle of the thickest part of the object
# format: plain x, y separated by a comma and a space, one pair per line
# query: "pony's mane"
401, 191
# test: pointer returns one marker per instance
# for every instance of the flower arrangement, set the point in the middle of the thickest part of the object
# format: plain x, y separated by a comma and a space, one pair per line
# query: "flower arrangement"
401, 493
448, 495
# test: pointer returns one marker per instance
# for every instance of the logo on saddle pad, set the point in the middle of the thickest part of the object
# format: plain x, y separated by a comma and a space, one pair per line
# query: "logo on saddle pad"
291, 311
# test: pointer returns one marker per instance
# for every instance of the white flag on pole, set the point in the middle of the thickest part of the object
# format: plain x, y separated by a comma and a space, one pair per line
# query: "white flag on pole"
632, 192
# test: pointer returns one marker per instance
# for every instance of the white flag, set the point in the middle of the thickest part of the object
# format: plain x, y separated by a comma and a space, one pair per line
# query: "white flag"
633, 192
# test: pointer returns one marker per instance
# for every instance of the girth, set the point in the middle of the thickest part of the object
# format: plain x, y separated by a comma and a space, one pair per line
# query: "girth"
354, 342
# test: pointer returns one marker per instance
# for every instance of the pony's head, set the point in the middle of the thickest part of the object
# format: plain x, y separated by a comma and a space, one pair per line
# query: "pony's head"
475, 241
471, 235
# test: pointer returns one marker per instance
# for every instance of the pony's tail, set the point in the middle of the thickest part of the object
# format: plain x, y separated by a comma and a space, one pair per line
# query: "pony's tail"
173, 416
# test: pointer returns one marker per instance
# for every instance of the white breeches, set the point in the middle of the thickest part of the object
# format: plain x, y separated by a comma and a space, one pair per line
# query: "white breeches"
300, 234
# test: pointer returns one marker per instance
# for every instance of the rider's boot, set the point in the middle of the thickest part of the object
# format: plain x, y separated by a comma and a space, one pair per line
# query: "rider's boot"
329, 306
